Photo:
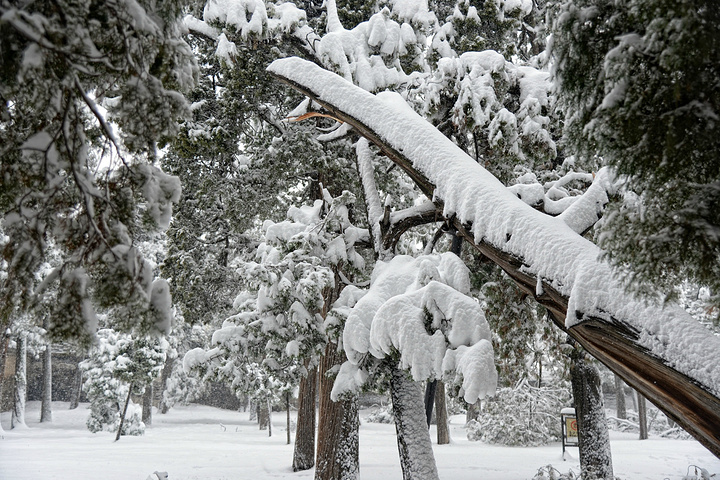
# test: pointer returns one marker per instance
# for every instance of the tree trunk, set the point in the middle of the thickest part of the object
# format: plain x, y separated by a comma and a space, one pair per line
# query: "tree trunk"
77, 389
443, 430
46, 405
416, 455
620, 407
642, 417
254, 409
262, 415
269, 410
472, 412
338, 440
304, 453
593, 436
287, 420
148, 404
430, 388
164, 376
18, 413
124, 412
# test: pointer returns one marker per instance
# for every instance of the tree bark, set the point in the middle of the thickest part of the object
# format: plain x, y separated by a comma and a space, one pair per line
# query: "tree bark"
269, 410
620, 406
416, 456
338, 439
46, 404
430, 388
443, 430
287, 420
642, 417
148, 404
77, 389
593, 436
164, 376
262, 415
18, 413
473, 410
304, 453
124, 412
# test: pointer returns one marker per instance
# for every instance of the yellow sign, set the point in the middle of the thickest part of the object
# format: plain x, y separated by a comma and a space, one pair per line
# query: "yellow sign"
571, 427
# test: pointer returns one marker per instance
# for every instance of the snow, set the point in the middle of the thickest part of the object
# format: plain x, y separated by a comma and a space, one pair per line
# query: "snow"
190, 443
548, 246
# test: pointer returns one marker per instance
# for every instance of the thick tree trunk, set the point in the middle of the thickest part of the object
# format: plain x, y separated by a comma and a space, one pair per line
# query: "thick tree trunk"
76, 389
46, 404
416, 455
148, 404
338, 440
473, 411
593, 436
642, 417
124, 412
262, 415
304, 453
620, 407
18, 412
443, 430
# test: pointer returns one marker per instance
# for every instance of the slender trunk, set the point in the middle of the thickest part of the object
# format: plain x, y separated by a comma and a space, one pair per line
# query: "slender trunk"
642, 417
4, 341
594, 439
46, 406
304, 452
443, 431
287, 422
621, 409
18, 413
269, 409
253, 411
416, 455
338, 440
430, 388
473, 411
124, 412
77, 389
262, 415
164, 376
148, 404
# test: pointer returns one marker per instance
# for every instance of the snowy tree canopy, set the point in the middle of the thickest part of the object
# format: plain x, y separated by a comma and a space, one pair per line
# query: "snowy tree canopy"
637, 82
418, 308
70, 180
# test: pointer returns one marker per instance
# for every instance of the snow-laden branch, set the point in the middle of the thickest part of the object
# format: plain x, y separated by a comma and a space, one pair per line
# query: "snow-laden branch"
657, 349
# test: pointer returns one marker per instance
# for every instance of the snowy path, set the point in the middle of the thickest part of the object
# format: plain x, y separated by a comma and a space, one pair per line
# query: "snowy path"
190, 444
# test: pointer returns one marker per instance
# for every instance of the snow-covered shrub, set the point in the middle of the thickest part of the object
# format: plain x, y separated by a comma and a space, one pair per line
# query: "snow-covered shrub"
658, 424
698, 473
381, 415
550, 473
521, 416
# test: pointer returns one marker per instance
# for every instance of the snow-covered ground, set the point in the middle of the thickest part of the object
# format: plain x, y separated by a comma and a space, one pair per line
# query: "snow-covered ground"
204, 443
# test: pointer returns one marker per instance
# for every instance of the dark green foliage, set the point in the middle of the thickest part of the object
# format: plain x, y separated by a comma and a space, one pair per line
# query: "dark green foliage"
638, 82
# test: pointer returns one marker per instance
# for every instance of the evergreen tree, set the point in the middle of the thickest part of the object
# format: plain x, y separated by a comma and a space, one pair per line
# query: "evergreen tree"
637, 82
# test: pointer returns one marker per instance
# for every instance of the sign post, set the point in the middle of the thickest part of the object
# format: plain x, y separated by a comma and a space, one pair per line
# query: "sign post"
570, 437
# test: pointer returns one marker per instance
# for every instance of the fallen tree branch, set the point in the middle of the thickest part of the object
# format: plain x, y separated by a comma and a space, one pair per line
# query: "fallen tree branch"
650, 347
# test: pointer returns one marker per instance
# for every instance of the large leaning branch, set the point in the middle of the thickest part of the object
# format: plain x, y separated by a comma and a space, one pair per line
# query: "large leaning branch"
660, 351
